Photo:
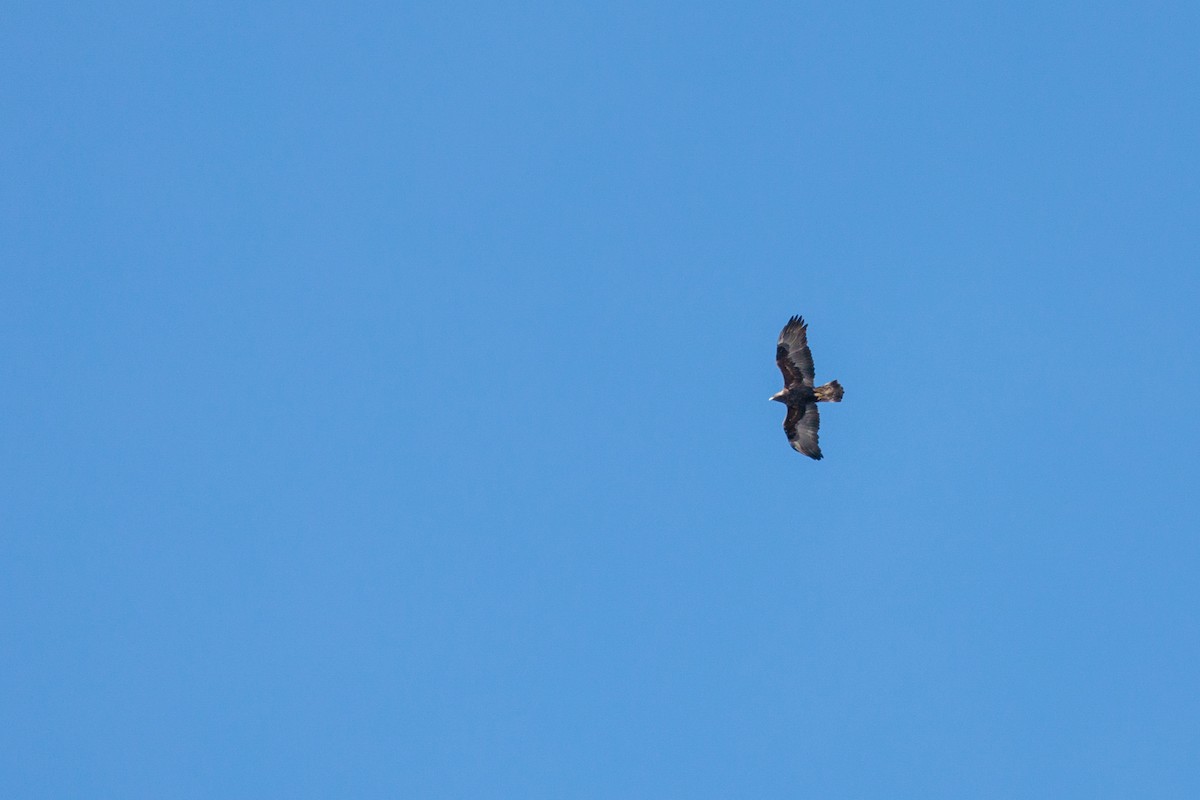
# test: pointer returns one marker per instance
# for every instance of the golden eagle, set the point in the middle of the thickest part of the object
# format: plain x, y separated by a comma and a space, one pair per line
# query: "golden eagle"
796, 363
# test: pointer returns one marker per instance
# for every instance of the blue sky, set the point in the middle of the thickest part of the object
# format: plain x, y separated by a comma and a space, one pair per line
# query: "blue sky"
385, 407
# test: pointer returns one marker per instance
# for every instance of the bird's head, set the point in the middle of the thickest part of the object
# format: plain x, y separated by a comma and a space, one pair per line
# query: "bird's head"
778, 396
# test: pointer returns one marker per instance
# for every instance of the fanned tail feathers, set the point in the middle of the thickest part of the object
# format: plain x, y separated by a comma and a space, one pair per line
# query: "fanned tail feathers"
831, 392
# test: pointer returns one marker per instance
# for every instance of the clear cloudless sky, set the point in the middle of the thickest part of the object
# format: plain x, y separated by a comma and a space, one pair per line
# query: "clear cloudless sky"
384, 400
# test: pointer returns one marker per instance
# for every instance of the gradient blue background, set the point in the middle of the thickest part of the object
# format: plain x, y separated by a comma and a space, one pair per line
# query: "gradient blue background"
384, 400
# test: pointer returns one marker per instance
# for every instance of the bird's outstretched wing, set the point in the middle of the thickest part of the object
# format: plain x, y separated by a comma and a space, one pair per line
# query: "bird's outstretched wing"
801, 425
793, 356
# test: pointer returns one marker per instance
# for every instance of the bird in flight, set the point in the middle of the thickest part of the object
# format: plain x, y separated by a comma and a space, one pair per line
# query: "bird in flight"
796, 363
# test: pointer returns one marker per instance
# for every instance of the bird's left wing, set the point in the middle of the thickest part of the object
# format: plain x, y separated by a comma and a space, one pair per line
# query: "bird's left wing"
792, 354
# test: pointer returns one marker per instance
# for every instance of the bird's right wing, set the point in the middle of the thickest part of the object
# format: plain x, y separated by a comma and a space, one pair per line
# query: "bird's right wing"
801, 425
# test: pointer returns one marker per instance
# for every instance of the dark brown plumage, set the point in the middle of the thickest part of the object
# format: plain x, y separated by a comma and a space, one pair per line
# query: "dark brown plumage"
801, 398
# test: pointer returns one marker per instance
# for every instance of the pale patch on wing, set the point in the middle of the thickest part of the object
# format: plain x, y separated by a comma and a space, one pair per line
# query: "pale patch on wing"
801, 427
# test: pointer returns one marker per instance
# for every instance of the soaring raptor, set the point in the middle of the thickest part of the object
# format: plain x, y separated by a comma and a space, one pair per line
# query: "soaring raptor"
795, 362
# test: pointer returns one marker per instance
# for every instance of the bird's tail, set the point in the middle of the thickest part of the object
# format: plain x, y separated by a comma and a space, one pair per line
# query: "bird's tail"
830, 392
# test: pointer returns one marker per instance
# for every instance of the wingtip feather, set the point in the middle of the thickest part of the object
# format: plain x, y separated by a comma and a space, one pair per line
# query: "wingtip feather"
795, 323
